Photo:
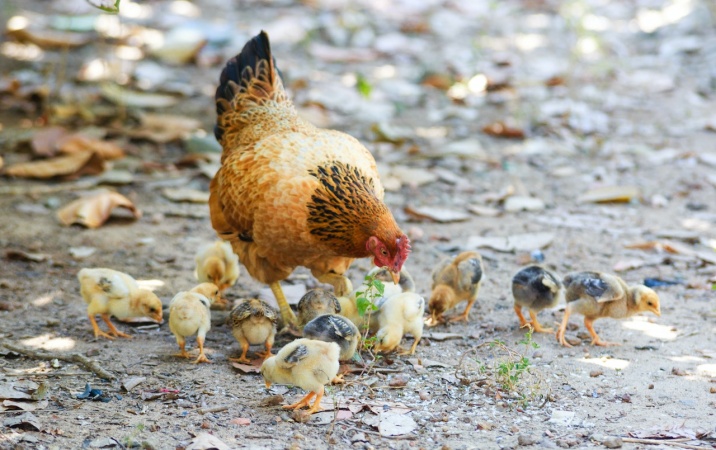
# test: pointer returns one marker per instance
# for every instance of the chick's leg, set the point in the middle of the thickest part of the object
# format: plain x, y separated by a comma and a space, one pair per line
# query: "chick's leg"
287, 314
341, 285
563, 328
305, 401
536, 325
112, 330
465, 315
596, 340
182, 347
202, 357
317, 404
523, 322
267, 353
244, 349
97, 331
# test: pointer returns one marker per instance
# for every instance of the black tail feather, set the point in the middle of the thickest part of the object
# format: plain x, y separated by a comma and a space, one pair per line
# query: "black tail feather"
257, 49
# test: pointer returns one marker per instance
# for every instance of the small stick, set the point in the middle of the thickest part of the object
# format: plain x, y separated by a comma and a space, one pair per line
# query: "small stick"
72, 357
663, 442
376, 370
406, 437
213, 410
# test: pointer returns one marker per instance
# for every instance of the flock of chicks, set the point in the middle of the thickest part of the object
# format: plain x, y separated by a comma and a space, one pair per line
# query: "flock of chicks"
332, 326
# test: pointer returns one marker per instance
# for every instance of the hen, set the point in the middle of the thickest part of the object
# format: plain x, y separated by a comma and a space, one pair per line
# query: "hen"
596, 295
108, 292
289, 194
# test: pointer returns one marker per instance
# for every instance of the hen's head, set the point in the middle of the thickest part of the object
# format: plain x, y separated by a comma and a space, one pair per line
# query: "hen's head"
389, 253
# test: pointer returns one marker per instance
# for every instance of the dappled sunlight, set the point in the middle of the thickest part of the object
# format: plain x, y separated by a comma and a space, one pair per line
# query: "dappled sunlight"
641, 323
21, 52
529, 42
708, 370
50, 343
650, 20
686, 358
152, 285
609, 363
46, 299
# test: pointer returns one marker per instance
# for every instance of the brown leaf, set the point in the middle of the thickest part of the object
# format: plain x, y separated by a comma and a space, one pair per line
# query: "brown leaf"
246, 368
78, 143
437, 214
501, 130
20, 255
94, 210
186, 195
74, 165
47, 38
44, 141
610, 194
163, 128
240, 421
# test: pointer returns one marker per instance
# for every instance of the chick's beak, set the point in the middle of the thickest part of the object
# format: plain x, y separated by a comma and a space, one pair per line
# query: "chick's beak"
657, 311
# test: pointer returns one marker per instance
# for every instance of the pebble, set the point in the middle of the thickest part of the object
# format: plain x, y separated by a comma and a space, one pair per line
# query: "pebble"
527, 439
92, 352
424, 395
596, 373
613, 442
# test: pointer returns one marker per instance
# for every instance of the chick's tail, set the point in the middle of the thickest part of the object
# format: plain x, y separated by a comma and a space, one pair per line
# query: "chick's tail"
250, 99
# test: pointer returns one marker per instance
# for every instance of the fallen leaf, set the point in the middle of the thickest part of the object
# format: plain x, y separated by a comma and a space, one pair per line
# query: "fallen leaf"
439, 337
563, 418
437, 214
496, 197
398, 380
410, 176
20, 255
78, 143
423, 362
328, 417
93, 210
44, 141
186, 195
9, 405
206, 441
82, 252
126, 97
130, 383
501, 130
522, 203
610, 194
75, 164
392, 424
47, 38
246, 368
105, 442
27, 421
517, 242
678, 372
484, 211
240, 421
180, 45
163, 128
18, 390
628, 264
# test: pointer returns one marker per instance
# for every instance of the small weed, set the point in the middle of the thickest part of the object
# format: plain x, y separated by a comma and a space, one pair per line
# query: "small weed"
108, 6
363, 86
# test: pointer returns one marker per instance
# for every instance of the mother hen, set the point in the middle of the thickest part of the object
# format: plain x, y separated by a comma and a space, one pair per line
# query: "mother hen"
289, 194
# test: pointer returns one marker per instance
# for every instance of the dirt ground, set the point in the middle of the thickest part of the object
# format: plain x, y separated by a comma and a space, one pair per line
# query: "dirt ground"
606, 93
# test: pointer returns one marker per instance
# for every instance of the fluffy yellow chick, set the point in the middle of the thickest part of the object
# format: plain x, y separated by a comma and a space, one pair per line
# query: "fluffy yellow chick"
314, 303
217, 263
305, 363
399, 315
253, 322
108, 292
338, 329
535, 288
596, 295
454, 280
190, 314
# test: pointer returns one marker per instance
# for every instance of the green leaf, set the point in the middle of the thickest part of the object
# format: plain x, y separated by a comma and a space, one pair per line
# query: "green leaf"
379, 286
104, 5
363, 86
363, 304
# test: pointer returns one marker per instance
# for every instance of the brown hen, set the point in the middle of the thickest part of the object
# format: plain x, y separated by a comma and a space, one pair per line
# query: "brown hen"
289, 194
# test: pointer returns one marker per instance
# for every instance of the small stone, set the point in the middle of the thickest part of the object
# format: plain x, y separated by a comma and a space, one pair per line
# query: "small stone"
573, 341
299, 436
92, 352
651, 386
596, 373
424, 395
712, 390
206, 425
527, 439
613, 442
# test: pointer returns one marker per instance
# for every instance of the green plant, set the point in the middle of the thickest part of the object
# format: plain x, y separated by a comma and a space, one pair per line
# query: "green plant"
108, 6
366, 304
363, 86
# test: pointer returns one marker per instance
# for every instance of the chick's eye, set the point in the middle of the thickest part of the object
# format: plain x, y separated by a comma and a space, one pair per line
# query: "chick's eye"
152, 310
649, 303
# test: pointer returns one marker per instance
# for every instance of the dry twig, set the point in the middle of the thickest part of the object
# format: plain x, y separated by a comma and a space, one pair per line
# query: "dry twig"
72, 357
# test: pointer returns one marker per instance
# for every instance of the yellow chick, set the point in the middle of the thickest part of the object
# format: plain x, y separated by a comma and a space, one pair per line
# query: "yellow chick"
305, 363
108, 293
596, 295
454, 280
338, 329
399, 315
253, 322
217, 263
314, 303
535, 288
190, 314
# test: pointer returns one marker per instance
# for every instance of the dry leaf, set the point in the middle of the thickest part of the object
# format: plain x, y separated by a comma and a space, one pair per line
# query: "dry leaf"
628, 264
500, 129
77, 143
25, 420
392, 424
246, 368
76, 164
484, 211
240, 421
439, 337
44, 141
610, 194
206, 441
522, 203
47, 38
10, 405
186, 195
94, 210
163, 128
126, 97
436, 214
518, 242
20, 255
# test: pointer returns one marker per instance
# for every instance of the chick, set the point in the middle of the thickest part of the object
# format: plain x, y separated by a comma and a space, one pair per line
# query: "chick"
400, 314
108, 292
314, 303
454, 280
305, 363
338, 329
217, 263
253, 322
596, 295
190, 314
535, 288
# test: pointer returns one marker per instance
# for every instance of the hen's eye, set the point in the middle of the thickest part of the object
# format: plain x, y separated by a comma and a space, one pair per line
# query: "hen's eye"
384, 252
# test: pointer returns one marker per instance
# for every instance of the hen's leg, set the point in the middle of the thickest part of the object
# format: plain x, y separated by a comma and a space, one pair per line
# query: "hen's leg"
112, 330
523, 321
341, 285
97, 331
536, 325
596, 340
287, 314
244, 349
303, 402
202, 357
562, 329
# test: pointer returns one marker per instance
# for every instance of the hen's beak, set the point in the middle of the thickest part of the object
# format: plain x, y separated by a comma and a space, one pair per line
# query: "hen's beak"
268, 384
396, 276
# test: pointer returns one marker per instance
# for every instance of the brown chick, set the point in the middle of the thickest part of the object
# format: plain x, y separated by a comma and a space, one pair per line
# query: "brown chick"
535, 288
306, 363
253, 322
108, 293
596, 295
314, 303
289, 194
338, 329
216, 263
454, 280
399, 315
190, 314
